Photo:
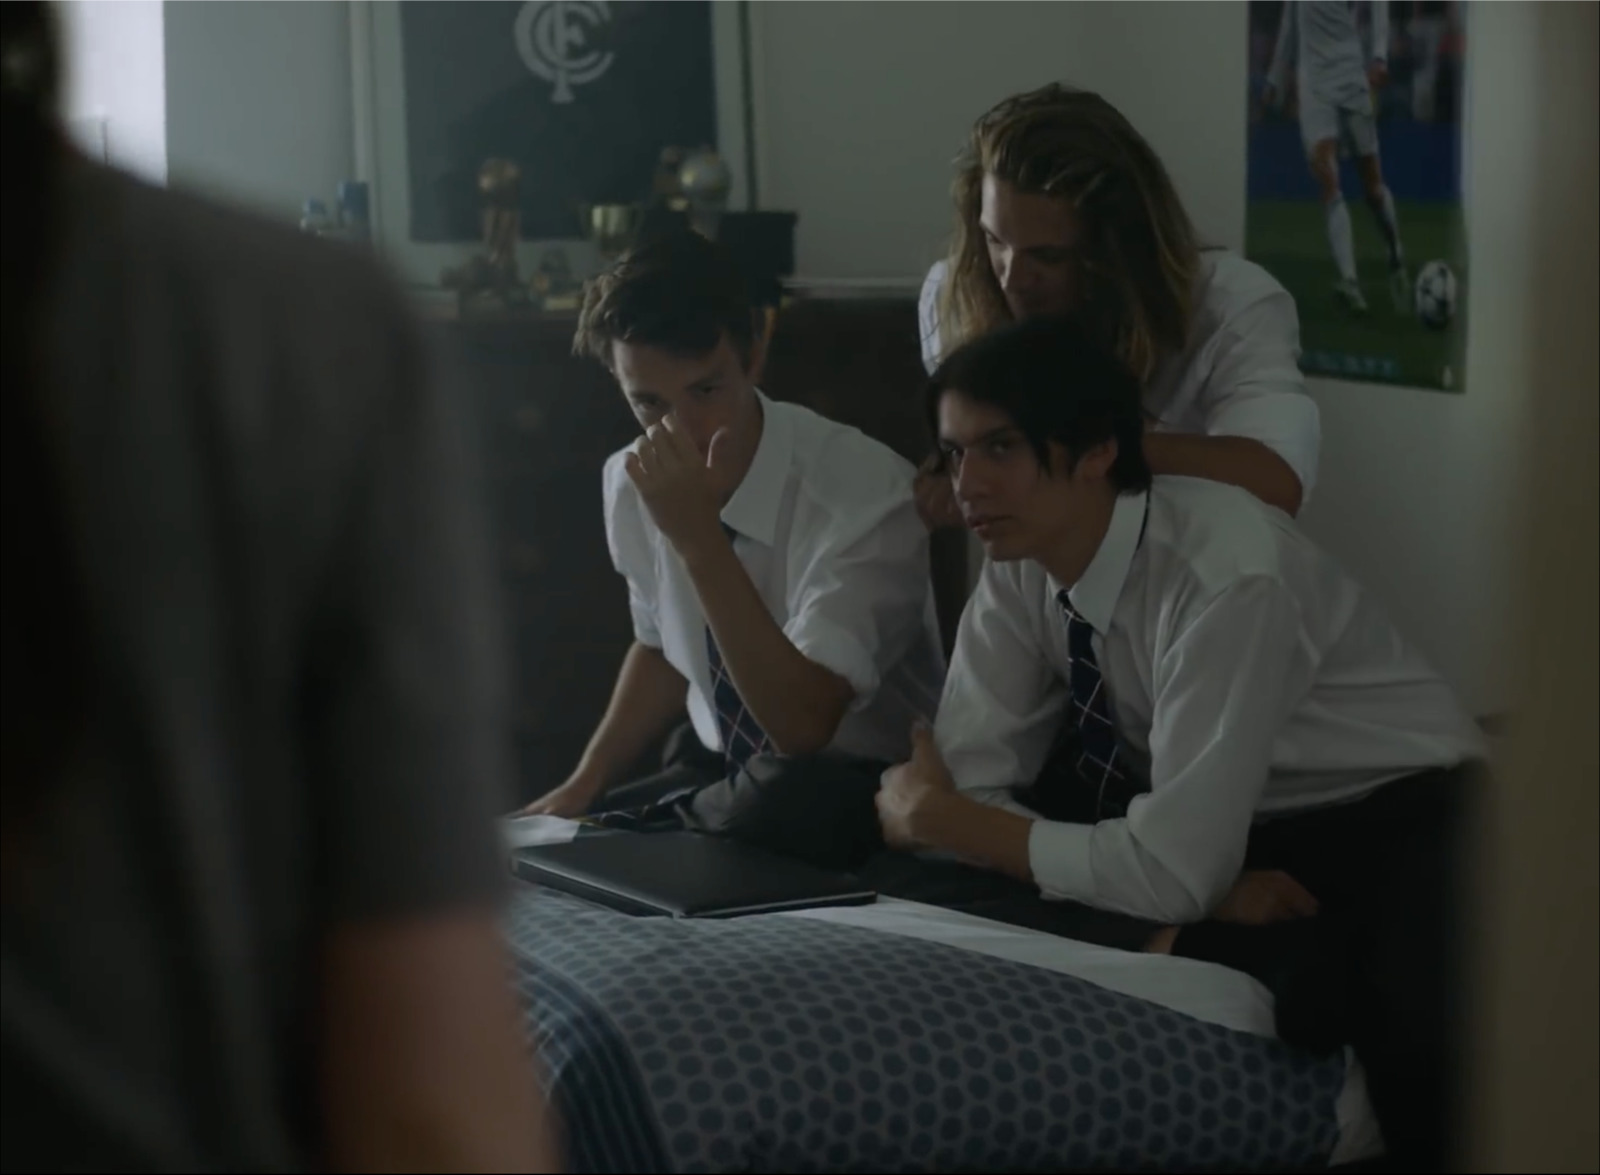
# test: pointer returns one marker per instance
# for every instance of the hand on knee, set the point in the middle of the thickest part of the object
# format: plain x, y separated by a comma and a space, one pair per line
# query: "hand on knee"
1264, 896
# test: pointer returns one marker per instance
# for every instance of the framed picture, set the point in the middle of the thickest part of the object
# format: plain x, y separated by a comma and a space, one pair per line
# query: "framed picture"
582, 94
1355, 189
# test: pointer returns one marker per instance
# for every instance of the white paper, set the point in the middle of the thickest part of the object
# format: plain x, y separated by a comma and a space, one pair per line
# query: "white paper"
521, 832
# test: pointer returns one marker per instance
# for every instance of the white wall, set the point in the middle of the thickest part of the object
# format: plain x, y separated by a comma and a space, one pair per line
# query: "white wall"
258, 100
862, 107
115, 67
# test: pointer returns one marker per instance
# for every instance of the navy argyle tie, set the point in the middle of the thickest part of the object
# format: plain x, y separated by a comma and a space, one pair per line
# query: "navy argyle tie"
742, 735
1099, 760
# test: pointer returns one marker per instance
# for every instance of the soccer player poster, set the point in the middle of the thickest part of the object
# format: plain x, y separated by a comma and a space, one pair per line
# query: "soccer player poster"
1354, 188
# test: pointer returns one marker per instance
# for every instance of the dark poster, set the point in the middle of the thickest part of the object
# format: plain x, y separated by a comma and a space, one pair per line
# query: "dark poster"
582, 94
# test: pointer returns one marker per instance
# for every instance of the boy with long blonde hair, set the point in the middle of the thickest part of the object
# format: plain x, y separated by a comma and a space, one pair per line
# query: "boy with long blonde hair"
1062, 208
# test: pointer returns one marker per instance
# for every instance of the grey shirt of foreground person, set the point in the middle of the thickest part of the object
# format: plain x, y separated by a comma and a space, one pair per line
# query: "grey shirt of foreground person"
255, 929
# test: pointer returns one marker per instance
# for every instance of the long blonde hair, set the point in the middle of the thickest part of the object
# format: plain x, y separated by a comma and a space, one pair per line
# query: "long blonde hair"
1138, 254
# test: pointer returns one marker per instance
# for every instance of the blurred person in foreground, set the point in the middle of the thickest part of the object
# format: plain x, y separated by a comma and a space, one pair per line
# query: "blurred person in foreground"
251, 700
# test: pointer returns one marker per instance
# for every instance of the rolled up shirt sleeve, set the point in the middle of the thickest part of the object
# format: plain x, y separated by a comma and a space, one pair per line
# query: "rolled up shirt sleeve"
860, 601
1256, 390
1222, 692
632, 553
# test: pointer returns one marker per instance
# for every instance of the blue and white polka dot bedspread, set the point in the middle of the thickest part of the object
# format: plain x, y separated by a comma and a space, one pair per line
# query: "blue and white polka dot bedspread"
793, 1043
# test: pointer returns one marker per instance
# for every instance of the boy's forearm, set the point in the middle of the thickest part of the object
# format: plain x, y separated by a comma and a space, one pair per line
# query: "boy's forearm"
796, 702
648, 695
977, 832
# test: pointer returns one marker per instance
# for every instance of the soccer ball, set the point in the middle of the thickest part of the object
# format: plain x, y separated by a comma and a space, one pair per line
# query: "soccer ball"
1435, 295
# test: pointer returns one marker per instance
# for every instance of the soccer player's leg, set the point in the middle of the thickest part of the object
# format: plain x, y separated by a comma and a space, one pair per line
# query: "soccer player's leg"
1364, 137
1319, 130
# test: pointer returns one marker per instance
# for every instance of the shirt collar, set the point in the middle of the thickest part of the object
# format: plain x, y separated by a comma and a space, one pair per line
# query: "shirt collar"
1095, 595
752, 511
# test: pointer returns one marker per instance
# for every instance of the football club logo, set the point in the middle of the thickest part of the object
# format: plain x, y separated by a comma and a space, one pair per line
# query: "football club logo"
553, 40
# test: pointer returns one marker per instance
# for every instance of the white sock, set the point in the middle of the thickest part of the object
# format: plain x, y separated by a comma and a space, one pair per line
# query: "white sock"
1340, 238
1383, 209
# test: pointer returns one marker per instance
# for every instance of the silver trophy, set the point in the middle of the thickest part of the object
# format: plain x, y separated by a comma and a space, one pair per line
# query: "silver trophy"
705, 182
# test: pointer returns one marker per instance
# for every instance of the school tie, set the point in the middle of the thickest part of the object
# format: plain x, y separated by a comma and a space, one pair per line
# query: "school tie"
1099, 765
742, 735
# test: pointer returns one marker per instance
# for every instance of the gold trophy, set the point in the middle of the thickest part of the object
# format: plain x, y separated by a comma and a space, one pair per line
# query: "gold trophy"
692, 186
492, 274
612, 227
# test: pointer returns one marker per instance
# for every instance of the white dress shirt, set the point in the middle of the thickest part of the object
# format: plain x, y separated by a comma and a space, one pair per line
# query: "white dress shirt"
1248, 674
1320, 41
827, 529
1239, 376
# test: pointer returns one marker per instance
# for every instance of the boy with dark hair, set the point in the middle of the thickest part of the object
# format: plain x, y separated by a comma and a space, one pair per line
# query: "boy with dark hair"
777, 574
1232, 698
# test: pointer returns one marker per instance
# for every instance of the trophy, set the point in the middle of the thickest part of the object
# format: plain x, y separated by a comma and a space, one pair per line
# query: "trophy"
705, 181
492, 273
612, 227
554, 285
686, 187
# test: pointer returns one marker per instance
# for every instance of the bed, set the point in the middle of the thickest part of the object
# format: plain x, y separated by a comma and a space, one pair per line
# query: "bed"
904, 1037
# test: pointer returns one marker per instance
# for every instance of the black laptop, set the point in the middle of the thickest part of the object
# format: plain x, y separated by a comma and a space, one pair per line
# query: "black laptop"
684, 875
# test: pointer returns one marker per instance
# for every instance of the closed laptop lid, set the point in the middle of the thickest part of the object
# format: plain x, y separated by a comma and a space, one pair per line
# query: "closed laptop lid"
685, 875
